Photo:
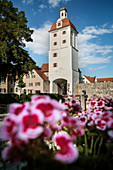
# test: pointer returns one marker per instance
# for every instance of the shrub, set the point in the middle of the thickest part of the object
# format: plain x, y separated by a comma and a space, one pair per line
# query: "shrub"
9, 98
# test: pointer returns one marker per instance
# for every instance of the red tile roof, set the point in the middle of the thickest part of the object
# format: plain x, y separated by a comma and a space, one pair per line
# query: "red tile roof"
104, 79
90, 79
41, 74
65, 22
45, 67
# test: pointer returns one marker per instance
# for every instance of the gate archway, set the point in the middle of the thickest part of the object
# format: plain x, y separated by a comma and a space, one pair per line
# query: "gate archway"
61, 85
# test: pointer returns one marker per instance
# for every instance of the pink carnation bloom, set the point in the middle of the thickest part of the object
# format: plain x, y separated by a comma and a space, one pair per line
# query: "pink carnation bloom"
36, 98
9, 128
50, 108
110, 124
17, 109
72, 102
68, 153
101, 124
82, 121
11, 153
30, 125
47, 132
77, 132
92, 104
73, 122
106, 116
100, 104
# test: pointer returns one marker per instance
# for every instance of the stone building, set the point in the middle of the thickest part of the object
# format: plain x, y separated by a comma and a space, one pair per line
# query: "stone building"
35, 82
63, 56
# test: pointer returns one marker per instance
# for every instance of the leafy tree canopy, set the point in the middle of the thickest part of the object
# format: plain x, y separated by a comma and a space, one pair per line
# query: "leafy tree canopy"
13, 33
21, 84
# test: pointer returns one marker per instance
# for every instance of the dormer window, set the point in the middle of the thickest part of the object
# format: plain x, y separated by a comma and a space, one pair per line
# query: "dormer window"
59, 24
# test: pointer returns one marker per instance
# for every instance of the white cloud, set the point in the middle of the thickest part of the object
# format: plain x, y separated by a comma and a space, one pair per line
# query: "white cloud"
93, 53
96, 30
97, 68
27, 1
55, 3
40, 44
89, 53
42, 6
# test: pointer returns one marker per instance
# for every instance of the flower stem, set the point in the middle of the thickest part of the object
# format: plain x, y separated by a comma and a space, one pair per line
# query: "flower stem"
100, 144
95, 146
86, 145
92, 141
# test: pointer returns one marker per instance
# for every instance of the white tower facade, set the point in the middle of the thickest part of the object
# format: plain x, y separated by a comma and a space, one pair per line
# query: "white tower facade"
63, 56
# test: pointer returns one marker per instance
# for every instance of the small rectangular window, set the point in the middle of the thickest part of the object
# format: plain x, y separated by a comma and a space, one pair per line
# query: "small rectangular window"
64, 41
30, 84
27, 76
64, 32
54, 35
54, 54
33, 76
54, 64
55, 43
3, 80
11, 90
16, 89
37, 84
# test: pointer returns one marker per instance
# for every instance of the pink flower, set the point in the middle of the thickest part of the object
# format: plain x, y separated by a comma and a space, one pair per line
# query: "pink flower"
101, 124
11, 153
68, 152
36, 97
50, 108
82, 121
100, 104
47, 132
110, 124
106, 116
77, 132
97, 113
72, 102
73, 122
92, 104
9, 128
30, 125
17, 108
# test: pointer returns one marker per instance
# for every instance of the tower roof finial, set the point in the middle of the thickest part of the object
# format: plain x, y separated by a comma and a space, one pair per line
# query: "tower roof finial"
63, 8
63, 4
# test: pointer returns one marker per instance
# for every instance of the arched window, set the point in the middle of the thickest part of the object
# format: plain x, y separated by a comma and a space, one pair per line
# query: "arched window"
62, 14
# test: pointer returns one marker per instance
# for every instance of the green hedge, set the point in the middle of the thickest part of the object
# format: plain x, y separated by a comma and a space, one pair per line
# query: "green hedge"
9, 98
15, 98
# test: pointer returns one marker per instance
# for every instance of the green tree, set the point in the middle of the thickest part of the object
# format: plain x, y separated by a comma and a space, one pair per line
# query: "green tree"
21, 84
14, 32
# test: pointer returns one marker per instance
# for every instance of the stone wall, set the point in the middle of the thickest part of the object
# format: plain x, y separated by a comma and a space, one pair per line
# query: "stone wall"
100, 89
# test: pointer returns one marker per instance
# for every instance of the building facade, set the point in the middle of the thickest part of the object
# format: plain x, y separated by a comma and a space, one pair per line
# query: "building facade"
88, 79
35, 82
63, 56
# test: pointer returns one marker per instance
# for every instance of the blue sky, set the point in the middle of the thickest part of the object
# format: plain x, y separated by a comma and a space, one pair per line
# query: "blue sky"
94, 22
